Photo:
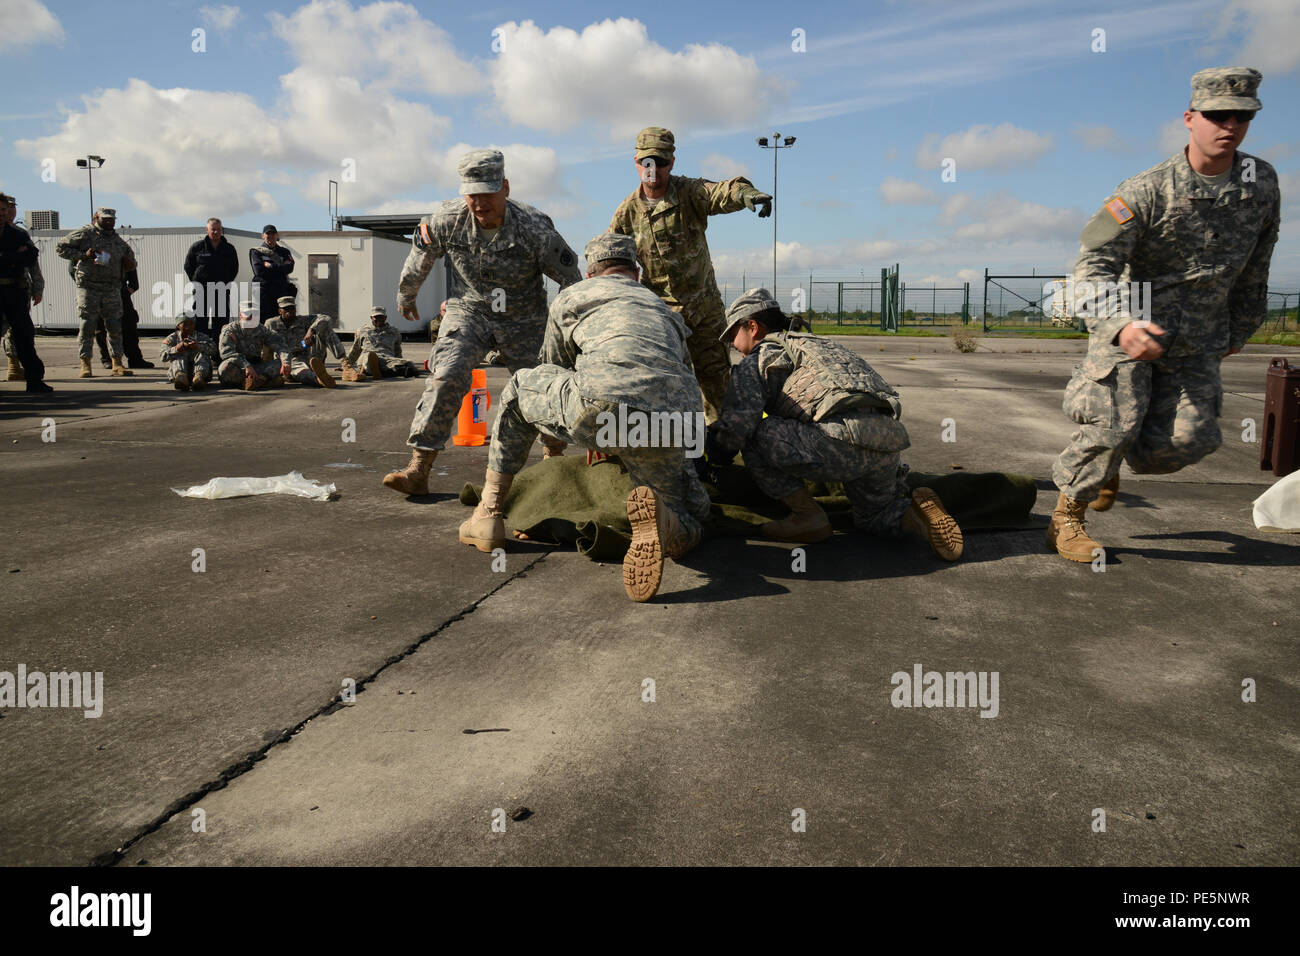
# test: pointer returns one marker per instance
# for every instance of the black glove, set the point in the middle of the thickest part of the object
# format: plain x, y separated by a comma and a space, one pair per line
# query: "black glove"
762, 200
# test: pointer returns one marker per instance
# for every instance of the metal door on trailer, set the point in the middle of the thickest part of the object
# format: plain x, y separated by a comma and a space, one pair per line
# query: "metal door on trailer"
323, 285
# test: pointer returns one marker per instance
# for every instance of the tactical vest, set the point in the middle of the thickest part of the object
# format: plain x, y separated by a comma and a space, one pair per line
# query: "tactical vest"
829, 379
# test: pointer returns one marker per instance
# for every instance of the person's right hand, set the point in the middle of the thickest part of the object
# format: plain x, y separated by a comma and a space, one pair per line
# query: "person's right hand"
411, 313
1137, 343
285, 369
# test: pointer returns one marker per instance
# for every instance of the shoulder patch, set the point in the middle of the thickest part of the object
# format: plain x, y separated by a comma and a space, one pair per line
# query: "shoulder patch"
425, 238
1119, 211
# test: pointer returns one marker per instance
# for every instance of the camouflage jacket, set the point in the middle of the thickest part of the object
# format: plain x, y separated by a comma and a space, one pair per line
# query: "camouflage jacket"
35, 280
290, 335
1205, 250
169, 353
670, 241
74, 246
504, 271
245, 345
760, 384
623, 344
385, 342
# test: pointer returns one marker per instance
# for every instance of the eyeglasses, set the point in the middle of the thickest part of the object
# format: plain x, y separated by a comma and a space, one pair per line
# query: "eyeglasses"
659, 163
1219, 117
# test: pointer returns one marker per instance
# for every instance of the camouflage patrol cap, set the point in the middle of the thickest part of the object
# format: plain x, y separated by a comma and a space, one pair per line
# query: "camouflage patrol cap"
1226, 88
481, 171
103, 212
182, 319
655, 141
379, 310
248, 307
751, 305
611, 245
286, 302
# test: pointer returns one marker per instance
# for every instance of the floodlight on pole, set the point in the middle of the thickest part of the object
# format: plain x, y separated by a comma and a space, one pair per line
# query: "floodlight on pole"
86, 164
775, 145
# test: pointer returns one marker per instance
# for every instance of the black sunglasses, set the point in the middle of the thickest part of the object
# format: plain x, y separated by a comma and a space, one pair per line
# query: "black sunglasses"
659, 163
1222, 116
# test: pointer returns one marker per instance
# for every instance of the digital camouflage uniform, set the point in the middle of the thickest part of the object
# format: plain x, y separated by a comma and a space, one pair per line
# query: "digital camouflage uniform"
188, 362
830, 417
385, 343
608, 340
35, 287
241, 349
497, 300
325, 342
1205, 250
99, 287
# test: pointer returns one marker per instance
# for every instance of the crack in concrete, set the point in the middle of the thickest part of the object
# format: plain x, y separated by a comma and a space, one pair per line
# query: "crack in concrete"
242, 766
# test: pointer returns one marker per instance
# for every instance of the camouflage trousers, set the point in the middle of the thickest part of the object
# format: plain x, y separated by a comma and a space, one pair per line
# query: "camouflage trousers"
232, 373
96, 302
388, 365
1158, 416
781, 454
709, 356
191, 365
546, 399
322, 346
8, 340
463, 340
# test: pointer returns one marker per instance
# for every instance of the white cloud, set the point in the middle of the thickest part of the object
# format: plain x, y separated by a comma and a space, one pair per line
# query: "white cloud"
1270, 27
718, 167
984, 147
26, 23
1002, 216
220, 18
1172, 136
559, 79
1099, 136
900, 192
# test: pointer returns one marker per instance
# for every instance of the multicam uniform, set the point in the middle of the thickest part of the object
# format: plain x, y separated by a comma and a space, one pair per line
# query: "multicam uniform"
99, 288
325, 341
609, 340
241, 349
675, 263
830, 417
385, 343
189, 362
1205, 249
497, 300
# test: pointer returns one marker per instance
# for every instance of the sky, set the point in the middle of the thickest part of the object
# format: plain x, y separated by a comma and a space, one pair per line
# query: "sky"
246, 112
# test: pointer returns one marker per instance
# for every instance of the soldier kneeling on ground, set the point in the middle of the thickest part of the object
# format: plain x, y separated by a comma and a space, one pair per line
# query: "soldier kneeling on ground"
830, 417
187, 356
240, 346
305, 340
380, 349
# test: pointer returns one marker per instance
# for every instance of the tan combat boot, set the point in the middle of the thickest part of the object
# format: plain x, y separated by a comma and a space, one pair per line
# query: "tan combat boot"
486, 528
414, 478
322, 373
1067, 533
656, 534
927, 519
182, 382
350, 372
85, 368
807, 522
1106, 496
15, 370
372, 365
252, 381
199, 382
119, 369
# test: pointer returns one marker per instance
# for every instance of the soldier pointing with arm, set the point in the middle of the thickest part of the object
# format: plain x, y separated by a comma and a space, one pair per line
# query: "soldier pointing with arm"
1200, 228
498, 249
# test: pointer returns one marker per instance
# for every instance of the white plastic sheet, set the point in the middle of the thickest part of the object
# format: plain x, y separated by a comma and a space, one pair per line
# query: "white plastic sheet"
291, 484
1278, 509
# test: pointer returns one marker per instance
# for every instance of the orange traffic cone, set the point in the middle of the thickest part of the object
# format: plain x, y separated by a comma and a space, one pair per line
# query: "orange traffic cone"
471, 426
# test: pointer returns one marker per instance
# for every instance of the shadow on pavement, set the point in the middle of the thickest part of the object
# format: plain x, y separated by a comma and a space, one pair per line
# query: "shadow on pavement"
1241, 550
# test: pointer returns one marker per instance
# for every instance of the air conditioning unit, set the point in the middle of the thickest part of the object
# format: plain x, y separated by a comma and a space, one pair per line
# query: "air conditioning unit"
42, 219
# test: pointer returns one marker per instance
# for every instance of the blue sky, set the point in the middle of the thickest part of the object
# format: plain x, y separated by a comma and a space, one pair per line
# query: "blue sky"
285, 95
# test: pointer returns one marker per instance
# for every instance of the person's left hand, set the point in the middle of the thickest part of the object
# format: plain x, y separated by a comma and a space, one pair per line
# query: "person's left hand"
36, 299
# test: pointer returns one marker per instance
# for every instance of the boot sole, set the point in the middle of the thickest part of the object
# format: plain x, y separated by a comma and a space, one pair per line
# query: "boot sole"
941, 528
643, 566
1075, 556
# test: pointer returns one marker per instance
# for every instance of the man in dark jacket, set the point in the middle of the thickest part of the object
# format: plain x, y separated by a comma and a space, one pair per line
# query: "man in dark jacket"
17, 255
212, 264
272, 265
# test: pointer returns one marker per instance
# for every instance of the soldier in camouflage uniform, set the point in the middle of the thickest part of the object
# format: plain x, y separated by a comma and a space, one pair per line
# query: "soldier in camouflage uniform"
101, 258
240, 346
379, 348
305, 341
610, 342
188, 355
499, 249
1200, 228
35, 291
667, 215
830, 417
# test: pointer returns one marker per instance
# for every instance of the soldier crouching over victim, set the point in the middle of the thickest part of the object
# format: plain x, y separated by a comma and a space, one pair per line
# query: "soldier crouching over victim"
187, 355
379, 347
304, 340
830, 417
609, 342
1200, 229
241, 346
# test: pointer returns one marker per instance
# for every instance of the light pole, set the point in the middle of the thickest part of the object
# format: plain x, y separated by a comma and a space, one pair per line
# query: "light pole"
86, 165
775, 146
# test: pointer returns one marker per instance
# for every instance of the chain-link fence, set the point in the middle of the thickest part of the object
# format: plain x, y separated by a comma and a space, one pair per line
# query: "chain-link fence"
1282, 313
1027, 303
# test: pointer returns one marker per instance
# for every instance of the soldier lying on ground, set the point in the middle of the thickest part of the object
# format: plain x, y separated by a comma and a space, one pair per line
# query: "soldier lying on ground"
187, 356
